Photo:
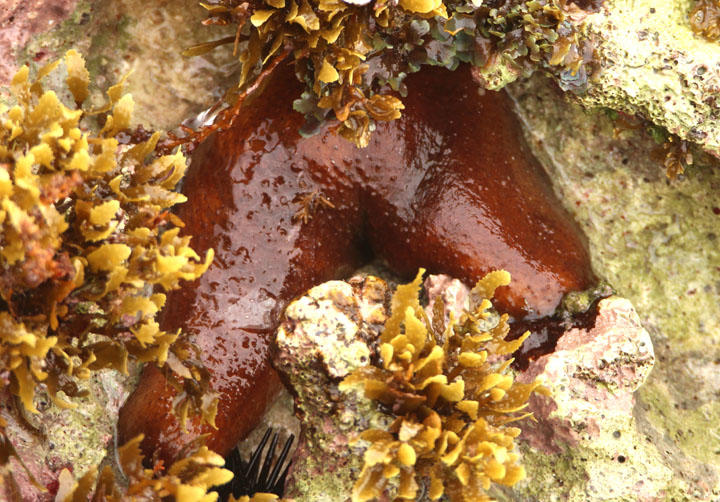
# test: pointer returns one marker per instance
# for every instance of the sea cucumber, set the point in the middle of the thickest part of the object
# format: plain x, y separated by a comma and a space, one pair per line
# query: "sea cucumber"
450, 186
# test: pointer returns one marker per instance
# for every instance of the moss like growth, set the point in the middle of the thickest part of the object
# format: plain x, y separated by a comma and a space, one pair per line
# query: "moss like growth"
88, 245
452, 398
354, 54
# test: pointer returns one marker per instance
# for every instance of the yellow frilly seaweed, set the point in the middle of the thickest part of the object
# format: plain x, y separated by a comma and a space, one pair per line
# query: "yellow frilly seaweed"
187, 480
451, 401
354, 54
333, 37
88, 247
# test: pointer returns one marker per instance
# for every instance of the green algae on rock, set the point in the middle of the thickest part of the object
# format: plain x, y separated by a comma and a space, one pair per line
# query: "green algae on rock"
655, 241
186, 480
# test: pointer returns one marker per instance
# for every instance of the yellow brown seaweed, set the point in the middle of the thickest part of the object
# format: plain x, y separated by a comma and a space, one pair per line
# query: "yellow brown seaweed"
187, 480
353, 54
88, 246
452, 395
705, 19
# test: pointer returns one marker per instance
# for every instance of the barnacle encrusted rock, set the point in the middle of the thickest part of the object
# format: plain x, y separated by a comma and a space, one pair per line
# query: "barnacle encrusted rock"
428, 416
642, 57
327, 334
651, 63
647, 60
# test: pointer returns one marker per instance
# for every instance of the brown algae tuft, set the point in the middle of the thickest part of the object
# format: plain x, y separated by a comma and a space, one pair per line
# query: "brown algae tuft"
705, 19
187, 480
88, 244
354, 54
452, 394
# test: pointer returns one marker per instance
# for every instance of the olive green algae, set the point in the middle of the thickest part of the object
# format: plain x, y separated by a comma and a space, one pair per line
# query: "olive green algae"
655, 241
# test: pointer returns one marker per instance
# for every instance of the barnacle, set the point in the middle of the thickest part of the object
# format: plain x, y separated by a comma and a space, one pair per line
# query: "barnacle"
451, 400
87, 243
187, 480
352, 54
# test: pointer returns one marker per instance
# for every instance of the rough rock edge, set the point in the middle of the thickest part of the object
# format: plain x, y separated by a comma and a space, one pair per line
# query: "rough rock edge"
593, 375
648, 62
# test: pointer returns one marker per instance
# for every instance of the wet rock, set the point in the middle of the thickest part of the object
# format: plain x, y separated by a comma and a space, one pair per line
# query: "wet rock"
655, 241
646, 60
593, 375
57, 438
585, 428
327, 334
20, 20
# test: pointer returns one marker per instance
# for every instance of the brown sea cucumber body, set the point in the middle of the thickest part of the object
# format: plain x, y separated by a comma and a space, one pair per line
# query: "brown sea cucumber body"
450, 186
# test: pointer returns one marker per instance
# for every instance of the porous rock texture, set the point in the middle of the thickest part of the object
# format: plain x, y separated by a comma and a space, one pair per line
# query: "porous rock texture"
655, 241
585, 433
327, 334
651, 63
583, 436
646, 60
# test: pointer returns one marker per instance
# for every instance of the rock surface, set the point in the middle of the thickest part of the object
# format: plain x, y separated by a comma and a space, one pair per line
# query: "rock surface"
651, 63
586, 424
56, 439
327, 334
655, 241
585, 435
647, 61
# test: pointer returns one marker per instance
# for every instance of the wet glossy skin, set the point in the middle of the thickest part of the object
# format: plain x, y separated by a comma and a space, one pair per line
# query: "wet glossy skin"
450, 187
